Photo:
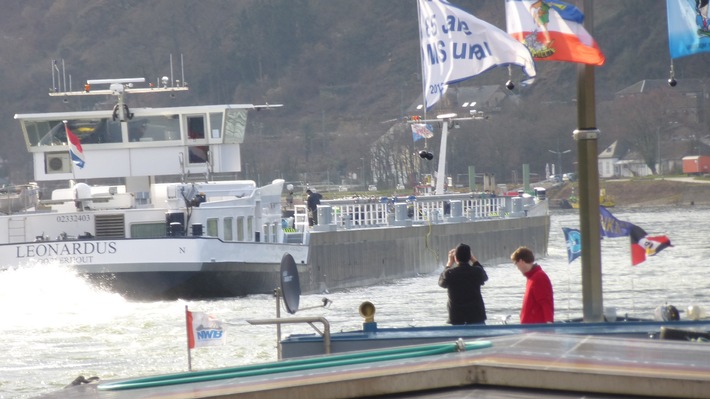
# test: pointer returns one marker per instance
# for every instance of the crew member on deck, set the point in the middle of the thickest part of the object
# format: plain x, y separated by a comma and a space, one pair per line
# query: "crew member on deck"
312, 201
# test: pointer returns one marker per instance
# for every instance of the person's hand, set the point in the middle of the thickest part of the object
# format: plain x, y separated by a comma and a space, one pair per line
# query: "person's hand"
473, 259
452, 259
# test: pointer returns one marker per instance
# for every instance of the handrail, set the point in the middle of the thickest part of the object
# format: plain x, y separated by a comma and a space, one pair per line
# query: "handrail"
294, 320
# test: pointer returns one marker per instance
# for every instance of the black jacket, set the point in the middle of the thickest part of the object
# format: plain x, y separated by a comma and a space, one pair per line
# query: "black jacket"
464, 282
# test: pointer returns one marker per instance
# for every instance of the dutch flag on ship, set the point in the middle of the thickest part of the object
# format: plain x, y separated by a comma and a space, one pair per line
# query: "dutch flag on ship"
75, 151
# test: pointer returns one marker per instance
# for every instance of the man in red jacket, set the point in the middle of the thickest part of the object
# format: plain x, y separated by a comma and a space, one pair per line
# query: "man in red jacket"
538, 303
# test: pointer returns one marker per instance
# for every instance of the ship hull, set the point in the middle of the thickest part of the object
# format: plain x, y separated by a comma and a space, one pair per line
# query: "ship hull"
204, 267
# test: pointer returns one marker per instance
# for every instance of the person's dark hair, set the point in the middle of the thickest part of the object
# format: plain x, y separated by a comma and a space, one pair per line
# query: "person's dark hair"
309, 191
524, 254
463, 253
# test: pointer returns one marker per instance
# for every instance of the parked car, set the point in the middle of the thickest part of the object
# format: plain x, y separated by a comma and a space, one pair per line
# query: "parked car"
569, 177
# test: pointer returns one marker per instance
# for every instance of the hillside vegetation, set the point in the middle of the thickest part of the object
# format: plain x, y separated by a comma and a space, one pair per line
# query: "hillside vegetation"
342, 69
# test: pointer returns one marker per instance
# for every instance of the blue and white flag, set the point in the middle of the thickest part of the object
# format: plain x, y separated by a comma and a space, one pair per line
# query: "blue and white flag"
573, 238
204, 330
456, 46
688, 27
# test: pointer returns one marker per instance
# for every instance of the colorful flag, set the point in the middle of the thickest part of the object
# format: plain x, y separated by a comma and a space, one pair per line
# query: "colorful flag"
421, 131
688, 30
204, 330
574, 243
456, 46
75, 151
553, 31
611, 226
643, 245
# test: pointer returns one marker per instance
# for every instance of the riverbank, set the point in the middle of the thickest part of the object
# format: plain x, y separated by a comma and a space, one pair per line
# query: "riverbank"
673, 191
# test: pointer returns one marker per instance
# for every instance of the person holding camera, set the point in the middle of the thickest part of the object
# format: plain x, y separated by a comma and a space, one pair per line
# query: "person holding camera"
463, 277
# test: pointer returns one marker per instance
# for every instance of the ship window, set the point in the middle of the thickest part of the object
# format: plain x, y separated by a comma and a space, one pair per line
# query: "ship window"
240, 228
154, 128
228, 229
216, 125
196, 135
89, 131
212, 227
250, 228
147, 230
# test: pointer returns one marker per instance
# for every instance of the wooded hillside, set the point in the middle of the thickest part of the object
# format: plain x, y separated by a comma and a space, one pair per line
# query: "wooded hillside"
341, 68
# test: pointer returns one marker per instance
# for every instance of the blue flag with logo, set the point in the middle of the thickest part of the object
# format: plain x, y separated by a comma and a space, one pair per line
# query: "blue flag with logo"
574, 243
688, 27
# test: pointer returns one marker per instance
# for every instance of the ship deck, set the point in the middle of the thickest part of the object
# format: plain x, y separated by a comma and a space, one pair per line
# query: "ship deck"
533, 365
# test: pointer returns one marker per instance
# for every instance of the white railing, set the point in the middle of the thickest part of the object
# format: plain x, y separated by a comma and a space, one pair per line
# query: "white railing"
362, 213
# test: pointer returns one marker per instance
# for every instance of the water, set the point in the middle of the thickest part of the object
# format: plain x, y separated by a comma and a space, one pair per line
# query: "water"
56, 327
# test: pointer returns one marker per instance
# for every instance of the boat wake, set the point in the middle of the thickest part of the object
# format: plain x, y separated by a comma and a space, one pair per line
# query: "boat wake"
41, 295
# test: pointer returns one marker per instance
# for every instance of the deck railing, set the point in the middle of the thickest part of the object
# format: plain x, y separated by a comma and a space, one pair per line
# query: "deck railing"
378, 212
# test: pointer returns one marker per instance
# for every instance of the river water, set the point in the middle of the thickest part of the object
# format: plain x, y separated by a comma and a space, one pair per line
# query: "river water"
56, 327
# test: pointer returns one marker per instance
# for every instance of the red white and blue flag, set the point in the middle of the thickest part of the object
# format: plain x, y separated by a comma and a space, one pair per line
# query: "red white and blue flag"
456, 46
75, 151
553, 31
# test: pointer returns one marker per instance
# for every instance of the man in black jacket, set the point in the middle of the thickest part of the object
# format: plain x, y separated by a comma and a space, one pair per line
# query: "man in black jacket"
312, 202
463, 277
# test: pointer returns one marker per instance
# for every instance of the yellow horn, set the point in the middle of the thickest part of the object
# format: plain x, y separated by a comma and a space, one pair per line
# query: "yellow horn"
367, 310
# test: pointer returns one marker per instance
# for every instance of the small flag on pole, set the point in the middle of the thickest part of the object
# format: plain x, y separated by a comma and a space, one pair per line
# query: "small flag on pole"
75, 151
643, 245
574, 243
421, 131
202, 330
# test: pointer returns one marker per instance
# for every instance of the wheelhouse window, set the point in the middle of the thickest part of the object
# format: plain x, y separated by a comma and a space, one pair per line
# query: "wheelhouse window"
197, 149
89, 131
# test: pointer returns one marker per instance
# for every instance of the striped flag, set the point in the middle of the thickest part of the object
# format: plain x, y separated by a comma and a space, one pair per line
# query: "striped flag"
553, 31
75, 151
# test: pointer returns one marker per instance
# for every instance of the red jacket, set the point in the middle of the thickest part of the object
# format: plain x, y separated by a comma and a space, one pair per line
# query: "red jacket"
538, 303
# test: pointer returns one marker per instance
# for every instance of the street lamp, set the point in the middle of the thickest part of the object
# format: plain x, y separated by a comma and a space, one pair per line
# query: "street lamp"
364, 182
559, 159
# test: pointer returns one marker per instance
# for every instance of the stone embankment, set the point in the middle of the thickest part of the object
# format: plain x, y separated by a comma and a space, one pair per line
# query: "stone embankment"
672, 191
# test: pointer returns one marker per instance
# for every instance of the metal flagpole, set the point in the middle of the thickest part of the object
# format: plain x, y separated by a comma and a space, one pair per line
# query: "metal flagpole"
187, 330
586, 136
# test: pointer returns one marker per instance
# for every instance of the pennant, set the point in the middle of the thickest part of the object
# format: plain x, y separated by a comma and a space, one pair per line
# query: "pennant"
204, 330
75, 151
422, 131
456, 46
643, 245
553, 31
574, 243
688, 27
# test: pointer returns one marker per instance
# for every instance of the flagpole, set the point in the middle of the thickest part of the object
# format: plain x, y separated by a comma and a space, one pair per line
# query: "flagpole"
187, 331
586, 136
